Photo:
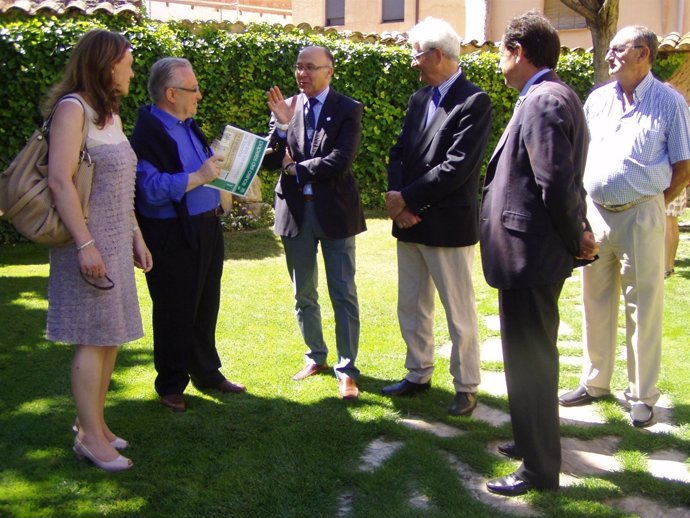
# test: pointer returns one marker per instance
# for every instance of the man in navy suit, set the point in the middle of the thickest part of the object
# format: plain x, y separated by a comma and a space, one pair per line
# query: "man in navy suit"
314, 138
433, 182
533, 221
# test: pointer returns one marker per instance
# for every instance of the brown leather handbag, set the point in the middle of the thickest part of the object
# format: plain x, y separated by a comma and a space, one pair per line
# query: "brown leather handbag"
25, 198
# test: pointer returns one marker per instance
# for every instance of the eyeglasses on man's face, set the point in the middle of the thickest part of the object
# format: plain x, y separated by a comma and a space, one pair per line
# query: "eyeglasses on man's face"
309, 67
417, 55
185, 89
620, 49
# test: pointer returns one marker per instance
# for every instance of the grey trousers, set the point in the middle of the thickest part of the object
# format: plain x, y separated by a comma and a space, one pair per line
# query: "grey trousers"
339, 260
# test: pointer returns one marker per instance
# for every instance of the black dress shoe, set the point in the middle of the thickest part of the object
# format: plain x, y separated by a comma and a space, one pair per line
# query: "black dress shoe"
405, 388
509, 450
576, 397
510, 485
463, 404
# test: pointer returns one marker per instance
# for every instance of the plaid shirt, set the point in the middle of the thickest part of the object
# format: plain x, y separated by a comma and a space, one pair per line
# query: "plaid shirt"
631, 152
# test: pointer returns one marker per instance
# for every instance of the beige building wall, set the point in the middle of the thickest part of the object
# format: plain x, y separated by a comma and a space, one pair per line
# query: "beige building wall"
484, 20
211, 10
661, 16
366, 15
312, 12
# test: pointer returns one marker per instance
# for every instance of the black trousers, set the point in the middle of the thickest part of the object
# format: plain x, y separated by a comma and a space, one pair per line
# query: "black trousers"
529, 332
184, 285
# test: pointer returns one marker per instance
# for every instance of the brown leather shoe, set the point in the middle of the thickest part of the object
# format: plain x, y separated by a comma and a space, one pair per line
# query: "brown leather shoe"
231, 387
309, 370
347, 388
174, 402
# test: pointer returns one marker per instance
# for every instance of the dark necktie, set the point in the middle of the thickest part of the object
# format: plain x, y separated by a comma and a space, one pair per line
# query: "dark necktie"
431, 108
435, 96
309, 119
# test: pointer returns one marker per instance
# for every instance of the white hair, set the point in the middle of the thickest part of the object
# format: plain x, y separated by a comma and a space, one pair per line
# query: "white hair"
434, 33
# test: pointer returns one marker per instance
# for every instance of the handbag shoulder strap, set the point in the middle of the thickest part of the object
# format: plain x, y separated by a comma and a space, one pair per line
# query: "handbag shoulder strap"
84, 129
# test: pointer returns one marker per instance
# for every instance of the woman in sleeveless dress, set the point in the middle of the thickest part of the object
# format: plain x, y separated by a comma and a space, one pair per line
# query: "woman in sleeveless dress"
92, 298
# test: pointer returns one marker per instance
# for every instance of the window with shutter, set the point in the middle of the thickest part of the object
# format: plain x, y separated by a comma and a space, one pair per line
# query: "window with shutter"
393, 11
562, 16
335, 12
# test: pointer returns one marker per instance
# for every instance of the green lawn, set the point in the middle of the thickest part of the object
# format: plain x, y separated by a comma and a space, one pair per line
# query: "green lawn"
287, 449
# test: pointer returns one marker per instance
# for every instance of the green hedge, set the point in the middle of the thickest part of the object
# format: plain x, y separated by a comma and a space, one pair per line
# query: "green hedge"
234, 72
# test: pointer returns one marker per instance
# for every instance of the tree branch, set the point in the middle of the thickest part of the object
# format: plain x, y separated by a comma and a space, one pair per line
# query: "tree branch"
584, 8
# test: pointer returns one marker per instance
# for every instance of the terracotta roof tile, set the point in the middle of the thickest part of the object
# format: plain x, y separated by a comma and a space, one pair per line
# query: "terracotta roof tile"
675, 42
63, 6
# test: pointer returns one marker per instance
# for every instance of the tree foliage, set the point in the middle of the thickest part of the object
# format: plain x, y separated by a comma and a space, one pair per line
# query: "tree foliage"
602, 18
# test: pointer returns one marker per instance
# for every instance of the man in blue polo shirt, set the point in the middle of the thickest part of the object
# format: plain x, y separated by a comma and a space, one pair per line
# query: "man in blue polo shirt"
180, 216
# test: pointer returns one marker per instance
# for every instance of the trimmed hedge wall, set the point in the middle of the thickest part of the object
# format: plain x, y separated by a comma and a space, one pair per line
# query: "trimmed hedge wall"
234, 72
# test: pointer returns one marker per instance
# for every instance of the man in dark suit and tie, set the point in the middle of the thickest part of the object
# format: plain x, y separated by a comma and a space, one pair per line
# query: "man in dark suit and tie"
533, 221
433, 182
314, 138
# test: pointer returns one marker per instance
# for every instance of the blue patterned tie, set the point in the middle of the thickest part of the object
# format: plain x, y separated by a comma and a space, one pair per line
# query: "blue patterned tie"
435, 96
309, 119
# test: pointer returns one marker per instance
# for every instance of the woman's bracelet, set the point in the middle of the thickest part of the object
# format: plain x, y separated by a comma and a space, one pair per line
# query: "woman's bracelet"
89, 243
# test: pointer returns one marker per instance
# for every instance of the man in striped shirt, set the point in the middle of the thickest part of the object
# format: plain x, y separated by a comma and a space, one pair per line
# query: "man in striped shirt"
638, 161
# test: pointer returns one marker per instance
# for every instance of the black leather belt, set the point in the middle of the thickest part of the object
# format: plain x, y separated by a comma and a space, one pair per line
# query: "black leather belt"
213, 213
308, 197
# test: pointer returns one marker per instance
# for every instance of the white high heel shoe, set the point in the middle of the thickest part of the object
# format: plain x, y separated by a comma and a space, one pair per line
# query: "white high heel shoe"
119, 463
118, 442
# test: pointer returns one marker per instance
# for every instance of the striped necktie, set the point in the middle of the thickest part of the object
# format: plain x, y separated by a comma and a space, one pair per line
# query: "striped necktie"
309, 119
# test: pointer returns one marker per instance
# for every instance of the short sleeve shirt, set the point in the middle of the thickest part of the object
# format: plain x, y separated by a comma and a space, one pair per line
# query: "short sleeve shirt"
631, 151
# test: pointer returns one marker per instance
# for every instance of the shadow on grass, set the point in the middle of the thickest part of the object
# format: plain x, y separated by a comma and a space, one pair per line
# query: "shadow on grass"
277, 451
23, 254
22, 312
682, 267
251, 456
228, 455
251, 245
235, 455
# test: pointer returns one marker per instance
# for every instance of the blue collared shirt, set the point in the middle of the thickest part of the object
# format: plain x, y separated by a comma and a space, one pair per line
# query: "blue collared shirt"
156, 190
631, 151
442, 90
529, 84
445, 86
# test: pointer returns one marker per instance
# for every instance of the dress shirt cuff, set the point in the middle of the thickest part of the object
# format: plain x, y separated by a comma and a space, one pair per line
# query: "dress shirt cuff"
178, 186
